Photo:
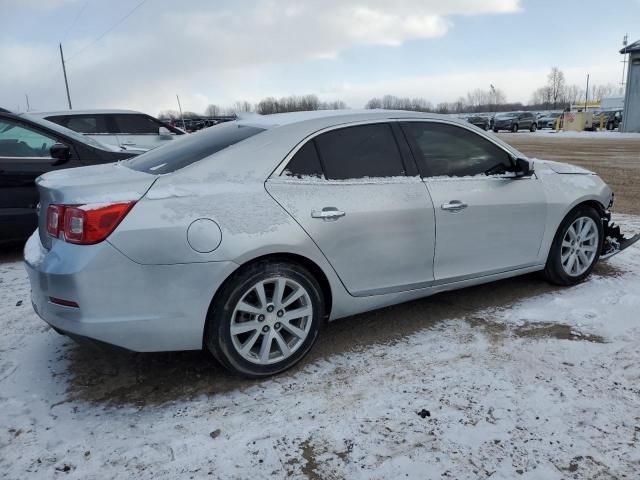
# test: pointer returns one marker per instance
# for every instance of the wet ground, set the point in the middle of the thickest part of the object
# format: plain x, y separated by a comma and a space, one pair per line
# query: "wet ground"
616, 160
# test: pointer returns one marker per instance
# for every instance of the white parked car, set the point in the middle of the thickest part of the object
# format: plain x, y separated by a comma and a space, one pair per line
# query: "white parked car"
121, 128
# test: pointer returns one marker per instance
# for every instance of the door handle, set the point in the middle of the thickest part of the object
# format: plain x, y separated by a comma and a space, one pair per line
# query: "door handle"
328, 213
454, 206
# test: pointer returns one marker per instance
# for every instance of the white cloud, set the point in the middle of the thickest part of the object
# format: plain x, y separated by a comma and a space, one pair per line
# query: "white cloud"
209, 49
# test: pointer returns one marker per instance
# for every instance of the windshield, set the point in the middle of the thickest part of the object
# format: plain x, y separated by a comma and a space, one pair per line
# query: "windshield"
67, 132
191, 148
506, 115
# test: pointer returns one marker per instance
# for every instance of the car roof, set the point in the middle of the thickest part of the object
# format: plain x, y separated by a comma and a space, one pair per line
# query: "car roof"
85, 112
329, 118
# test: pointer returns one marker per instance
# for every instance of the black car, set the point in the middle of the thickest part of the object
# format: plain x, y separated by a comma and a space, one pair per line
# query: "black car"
514, 121
609, 119
480, 121
29, 147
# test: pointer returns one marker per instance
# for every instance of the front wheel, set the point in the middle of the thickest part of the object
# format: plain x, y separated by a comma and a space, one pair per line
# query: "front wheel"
265, 319
534, 127
575, 248
514, 128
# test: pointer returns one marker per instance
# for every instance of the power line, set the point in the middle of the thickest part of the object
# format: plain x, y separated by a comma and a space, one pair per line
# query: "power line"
106, 32
75, 20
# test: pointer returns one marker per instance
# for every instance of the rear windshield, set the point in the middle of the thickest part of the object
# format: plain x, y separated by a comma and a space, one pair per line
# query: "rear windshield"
191, 148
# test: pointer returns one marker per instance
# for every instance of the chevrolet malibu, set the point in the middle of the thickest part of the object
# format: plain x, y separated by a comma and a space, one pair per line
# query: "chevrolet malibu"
245, 238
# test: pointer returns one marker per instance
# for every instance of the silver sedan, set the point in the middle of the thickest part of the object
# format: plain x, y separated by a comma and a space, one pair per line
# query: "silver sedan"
246, 237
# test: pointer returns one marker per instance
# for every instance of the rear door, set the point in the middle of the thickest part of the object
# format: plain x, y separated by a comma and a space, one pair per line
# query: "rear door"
485, 224
24, 155
94, 125
363, 204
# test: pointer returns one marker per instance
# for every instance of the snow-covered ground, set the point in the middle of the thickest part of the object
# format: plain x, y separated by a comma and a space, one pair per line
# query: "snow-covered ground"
546, 387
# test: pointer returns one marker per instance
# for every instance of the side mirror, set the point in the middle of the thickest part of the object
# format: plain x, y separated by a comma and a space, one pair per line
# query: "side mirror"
523, 168
164, 132
61, 152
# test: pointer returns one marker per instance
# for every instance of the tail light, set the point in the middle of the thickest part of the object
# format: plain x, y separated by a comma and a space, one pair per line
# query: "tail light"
55, 216
85, 224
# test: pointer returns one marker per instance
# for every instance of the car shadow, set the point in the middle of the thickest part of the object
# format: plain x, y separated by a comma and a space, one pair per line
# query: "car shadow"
114, 377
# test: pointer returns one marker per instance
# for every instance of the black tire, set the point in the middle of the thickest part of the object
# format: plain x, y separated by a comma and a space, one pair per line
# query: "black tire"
514, 128
533, 128
495, 130
554, 272
218, 337
610, 126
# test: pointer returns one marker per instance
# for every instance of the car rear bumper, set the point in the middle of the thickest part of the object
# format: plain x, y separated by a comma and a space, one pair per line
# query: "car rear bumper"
144, 308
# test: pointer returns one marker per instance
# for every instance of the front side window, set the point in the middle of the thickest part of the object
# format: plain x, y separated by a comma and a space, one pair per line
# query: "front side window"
19, 141
360, 152
191, 148
452, 151
136, 124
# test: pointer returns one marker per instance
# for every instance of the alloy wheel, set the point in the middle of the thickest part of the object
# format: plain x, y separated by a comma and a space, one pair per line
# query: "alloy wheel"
579, 246
271, 321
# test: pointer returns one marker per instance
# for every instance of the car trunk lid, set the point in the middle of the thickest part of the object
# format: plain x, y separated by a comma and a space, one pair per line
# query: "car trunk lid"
97, 184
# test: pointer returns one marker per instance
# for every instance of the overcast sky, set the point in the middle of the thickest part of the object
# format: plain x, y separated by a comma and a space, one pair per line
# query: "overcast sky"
211, 51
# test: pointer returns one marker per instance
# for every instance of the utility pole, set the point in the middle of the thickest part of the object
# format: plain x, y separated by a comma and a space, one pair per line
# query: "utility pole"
66, 83
586, 94
27, 97
181, 115
624, 63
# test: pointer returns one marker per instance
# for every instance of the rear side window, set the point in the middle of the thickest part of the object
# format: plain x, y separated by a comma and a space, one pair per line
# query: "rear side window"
136, 124
82, 123
191, 148
359, 152
448, 150
305, 163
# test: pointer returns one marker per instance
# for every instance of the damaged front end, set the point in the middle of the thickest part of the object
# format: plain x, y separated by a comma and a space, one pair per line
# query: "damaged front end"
614, 240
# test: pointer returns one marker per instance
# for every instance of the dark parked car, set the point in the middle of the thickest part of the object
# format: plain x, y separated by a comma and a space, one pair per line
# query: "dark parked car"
29, 147
549, 120
480, 121
611, 119
514, 121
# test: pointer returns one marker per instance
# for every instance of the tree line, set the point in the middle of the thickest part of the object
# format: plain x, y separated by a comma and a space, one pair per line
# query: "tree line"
556, 94
266, 106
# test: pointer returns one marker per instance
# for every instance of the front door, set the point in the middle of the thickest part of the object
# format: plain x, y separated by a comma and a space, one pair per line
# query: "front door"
349, 189
24, 155
485, 223
139, 131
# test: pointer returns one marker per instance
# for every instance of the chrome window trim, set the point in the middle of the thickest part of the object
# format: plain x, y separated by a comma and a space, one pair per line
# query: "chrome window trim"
277, 172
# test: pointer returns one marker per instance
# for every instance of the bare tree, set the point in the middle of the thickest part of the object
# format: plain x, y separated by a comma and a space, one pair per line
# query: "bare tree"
212, 110
598, 92
169, 114
391, 102
557, 85
573, 93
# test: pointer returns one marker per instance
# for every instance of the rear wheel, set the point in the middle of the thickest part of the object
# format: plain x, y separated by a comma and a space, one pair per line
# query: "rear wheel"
575, 248
534, 127
265, 319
